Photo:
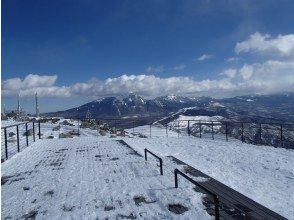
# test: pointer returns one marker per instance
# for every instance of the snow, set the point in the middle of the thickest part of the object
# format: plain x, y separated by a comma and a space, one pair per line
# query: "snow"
90, 178
217, 104
264, 174
8, 122
201, 118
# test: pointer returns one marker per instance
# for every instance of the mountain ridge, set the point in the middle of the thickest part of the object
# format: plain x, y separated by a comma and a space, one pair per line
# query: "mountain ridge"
279, 107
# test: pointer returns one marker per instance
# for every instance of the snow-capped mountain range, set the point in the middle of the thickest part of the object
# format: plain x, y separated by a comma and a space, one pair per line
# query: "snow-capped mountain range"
257, 108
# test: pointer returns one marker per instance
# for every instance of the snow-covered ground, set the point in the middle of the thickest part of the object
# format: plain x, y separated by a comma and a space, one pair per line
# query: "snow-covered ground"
90, 178
264, 174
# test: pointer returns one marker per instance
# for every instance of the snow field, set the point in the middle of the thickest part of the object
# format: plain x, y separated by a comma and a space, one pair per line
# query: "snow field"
262, 173
88, 178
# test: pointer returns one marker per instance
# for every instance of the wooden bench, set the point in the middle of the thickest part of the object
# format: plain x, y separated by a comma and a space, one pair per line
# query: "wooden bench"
233, 205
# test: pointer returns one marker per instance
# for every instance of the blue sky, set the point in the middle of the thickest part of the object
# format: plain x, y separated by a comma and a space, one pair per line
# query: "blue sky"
78, 41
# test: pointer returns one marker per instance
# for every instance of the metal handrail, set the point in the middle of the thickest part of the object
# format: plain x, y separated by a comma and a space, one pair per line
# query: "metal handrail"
215, 197
160, 160
10, 126
17, 135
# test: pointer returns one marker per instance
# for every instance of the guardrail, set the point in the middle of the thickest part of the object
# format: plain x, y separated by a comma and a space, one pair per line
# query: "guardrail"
215, 197
274, 134
13, 145
160, 160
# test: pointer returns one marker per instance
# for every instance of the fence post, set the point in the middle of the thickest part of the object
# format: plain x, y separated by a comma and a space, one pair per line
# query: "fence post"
189, 127
242, 130
34, 132
133, 126
260, 140
27, 135
226, 131
212, 132
5, 139
17, 137
39, 125
281, 133
79, 126
200, 129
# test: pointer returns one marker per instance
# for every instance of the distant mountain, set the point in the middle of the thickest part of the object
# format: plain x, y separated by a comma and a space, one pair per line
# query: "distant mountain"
258, 108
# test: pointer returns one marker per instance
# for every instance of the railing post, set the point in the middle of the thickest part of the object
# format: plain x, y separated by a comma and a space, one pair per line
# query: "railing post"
189, 127
79, 126
145, 152
176, 178
260, 140
5, 139
166, 134
212, 132
27, 135
226, 131
200, 129
17, 137
39, 125
242, 132
281, 133
133, 126
34, 138
161, 169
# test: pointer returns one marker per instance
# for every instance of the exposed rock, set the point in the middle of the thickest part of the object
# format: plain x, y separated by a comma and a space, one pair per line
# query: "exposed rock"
67, 135
11, 134
28, 133
65, 122
56, 128
102, 132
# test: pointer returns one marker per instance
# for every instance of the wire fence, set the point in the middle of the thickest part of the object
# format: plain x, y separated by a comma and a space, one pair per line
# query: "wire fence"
15, 138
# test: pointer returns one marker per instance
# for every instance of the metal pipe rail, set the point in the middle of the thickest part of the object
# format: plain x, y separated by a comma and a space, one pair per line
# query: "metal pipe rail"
160, 160
215, 197
26, 134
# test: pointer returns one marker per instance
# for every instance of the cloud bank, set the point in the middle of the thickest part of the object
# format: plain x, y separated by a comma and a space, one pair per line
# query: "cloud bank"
282, 45
271, 76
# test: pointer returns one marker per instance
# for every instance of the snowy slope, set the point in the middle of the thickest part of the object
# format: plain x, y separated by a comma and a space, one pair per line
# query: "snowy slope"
264, 174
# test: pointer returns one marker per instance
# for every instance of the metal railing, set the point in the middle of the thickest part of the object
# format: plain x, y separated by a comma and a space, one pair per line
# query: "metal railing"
15, 142
215, 197
274, 134
160, 160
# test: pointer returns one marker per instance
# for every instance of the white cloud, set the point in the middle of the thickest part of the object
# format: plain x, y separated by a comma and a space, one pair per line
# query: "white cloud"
179, 67
154, 69
264, 78
282, 45
32, 83
204, 57
232, 59
231, 73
